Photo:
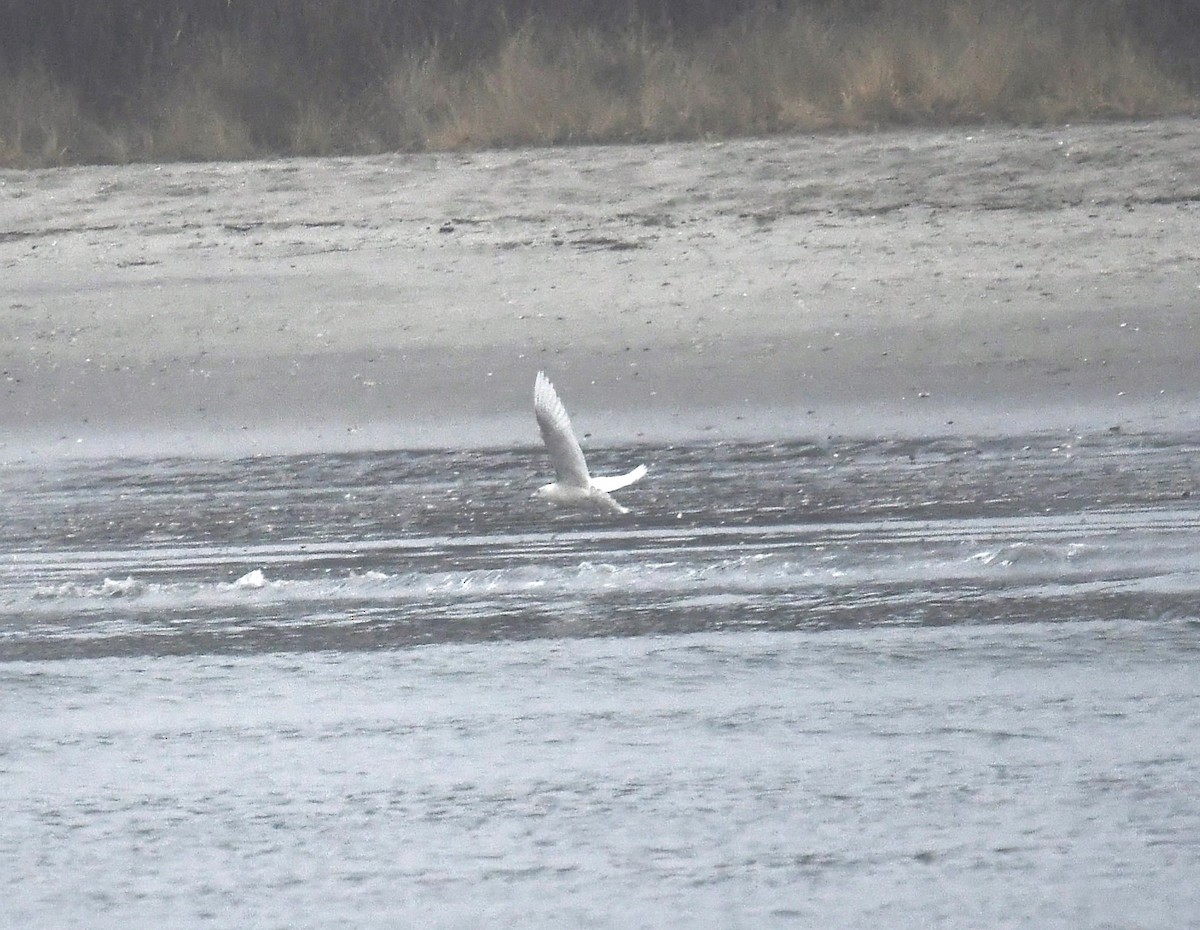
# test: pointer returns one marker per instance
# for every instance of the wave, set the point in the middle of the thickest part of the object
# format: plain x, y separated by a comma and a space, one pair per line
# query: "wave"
223, 557
658, 571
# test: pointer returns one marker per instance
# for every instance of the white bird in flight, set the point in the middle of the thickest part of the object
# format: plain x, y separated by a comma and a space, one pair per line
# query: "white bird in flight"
574, 487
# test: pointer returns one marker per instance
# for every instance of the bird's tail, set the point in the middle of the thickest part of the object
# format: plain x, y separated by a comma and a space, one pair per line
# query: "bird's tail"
613, 482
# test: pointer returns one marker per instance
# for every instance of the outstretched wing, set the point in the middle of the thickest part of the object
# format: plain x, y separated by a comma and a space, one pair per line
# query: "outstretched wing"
565, 454
613, 482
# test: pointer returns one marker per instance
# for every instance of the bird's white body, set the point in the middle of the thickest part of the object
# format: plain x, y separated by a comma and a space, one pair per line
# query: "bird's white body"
575, 487
595, 496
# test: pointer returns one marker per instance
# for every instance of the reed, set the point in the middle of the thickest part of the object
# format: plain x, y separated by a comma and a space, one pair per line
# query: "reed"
172, 80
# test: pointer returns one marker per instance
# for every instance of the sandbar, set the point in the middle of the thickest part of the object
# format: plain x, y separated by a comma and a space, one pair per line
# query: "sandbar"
908, 283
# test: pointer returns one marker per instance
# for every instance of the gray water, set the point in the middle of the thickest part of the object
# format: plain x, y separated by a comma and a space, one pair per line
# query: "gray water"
942, 683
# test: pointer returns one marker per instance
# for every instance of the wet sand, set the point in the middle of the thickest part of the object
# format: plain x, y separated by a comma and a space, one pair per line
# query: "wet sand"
911, 284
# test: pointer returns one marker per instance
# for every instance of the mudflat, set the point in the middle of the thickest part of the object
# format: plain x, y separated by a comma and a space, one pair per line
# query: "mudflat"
917, 283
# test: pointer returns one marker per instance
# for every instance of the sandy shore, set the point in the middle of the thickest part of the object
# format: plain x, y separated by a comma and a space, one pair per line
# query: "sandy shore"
981, 280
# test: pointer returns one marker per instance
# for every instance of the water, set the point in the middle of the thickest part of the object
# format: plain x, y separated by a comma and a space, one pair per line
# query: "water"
929, 683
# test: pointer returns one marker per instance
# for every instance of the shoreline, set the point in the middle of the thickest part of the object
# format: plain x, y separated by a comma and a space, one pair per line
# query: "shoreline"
895, 284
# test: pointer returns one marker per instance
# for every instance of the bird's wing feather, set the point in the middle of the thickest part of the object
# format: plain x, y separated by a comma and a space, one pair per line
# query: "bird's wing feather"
565, 453
613, 482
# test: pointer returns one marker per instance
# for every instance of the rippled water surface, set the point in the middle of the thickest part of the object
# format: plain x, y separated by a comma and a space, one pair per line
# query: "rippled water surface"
926, 683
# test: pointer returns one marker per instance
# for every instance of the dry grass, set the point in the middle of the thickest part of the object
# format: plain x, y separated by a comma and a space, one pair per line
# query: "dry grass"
986, 63
42, 123
219, 94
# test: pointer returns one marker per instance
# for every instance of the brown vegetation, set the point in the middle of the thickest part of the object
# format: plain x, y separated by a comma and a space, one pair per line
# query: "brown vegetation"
124, 80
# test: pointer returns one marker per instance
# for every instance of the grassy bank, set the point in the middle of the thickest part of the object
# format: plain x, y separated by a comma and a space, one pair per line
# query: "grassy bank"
132, 80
